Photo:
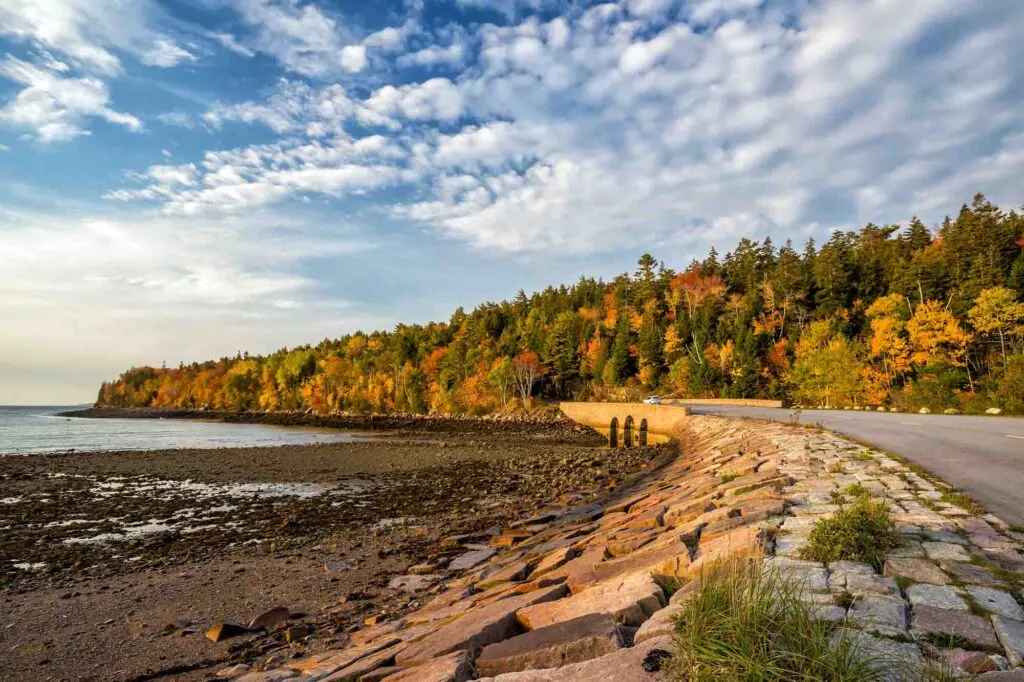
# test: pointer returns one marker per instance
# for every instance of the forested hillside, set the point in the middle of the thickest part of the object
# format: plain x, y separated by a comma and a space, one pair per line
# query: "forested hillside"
907, 317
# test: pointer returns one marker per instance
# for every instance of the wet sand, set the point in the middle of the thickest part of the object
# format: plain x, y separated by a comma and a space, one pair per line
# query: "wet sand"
101, 551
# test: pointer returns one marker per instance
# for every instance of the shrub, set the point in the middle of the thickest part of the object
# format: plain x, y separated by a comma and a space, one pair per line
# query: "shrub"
860, 531
1009, 393
937, 387
747, 623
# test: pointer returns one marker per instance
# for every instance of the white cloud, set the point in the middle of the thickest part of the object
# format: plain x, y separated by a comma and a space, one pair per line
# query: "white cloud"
178, 119
388, 39
570, 133
229, 41
89, 32
303, 38
437, 98
53, 108
168, 293
434, 55
353, 58
165, 53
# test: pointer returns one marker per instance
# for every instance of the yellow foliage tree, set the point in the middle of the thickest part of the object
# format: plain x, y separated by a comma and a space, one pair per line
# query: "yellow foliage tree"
935, 335
997, 313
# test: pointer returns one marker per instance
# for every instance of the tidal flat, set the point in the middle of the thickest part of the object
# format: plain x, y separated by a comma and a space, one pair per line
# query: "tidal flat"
113, 565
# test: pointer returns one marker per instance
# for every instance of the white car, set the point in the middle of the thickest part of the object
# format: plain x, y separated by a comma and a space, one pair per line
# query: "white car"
653, 400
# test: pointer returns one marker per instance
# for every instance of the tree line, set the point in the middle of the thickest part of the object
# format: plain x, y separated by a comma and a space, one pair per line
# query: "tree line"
905, 317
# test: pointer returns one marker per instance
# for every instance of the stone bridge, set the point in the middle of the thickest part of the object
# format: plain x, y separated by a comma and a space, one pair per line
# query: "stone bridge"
627, 424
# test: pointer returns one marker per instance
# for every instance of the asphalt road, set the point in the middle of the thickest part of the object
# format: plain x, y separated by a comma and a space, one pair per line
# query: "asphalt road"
983, 456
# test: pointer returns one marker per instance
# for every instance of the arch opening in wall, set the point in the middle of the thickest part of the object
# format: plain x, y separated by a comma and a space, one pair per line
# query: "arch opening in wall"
642, 433
627, 432
613, 433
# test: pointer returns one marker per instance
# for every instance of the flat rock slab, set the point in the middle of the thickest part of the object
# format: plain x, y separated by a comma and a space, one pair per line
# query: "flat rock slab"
743, 542
470, 559
886, 616
858, 584
810, 576
479, 627
364, 666
579, 573
997, 602
1002, 676
572, 641
412, 582
511, 572
918, 570
978, 631
553, 560
629, 600
268, 676
668, 557
938, 596
455, 667
945, 551
890, 659
625, 665
974, 575
974, 662
1011, 636
660, 624
328, 663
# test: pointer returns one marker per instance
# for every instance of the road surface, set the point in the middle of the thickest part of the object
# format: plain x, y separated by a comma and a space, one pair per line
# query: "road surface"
983, 456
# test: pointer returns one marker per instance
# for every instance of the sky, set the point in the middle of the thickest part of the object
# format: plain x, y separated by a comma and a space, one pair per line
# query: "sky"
184, 180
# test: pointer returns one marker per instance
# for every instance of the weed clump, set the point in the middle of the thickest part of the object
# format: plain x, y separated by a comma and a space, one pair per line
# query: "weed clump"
860, 531
959, 499
748, 623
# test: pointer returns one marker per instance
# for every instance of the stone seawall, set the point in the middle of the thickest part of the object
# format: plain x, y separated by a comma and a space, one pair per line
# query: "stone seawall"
661, 419
577, 591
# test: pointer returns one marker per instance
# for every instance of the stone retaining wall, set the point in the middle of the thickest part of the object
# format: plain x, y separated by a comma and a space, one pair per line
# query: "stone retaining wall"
660, 419
575, 591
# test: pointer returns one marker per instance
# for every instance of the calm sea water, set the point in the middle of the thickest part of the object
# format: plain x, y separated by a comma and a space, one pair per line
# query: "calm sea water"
25, 430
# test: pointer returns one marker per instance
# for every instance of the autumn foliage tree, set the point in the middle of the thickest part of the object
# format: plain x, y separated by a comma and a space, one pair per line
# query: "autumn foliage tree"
887, 315
526, 369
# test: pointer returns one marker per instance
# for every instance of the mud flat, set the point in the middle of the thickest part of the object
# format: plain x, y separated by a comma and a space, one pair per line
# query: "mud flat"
113, 565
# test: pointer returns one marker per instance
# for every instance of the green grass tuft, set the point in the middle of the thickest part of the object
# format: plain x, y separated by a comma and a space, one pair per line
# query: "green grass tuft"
903, 582
948, 641
856, 491
860, 531
726, 478
955, 497
749, 624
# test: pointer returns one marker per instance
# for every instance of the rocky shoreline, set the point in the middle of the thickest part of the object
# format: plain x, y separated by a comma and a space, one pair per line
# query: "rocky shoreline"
581, 592
546, 424
114, 564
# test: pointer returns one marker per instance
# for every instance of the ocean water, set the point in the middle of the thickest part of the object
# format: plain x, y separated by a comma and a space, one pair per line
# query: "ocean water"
26, 430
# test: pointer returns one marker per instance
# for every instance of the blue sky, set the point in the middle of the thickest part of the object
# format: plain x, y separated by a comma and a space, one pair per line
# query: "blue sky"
181, 180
